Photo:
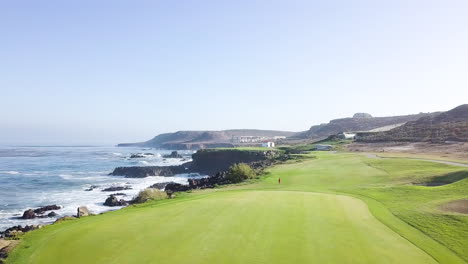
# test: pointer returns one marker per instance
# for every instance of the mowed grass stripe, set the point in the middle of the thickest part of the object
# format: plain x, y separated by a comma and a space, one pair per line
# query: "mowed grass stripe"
227, 227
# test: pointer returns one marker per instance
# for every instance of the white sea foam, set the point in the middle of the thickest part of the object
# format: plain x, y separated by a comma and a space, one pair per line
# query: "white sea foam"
40, 185
93, 200
10, 172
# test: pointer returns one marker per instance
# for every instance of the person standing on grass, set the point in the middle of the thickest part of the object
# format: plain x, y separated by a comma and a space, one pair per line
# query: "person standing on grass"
279, 180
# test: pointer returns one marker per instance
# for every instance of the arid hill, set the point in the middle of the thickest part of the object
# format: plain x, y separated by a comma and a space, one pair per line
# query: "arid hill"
446, 126
359, 122
203, 139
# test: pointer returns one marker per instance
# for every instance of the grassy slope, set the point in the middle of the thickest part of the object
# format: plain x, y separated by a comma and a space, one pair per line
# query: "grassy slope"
230, 227
277, 226
388, 182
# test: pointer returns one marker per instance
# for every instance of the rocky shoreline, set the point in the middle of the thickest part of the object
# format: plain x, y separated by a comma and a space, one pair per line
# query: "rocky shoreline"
214, 163
208, 162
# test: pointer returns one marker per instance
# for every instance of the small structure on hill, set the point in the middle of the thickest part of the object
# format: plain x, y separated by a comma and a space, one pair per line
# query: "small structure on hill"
323, 147
268, 144
347, 135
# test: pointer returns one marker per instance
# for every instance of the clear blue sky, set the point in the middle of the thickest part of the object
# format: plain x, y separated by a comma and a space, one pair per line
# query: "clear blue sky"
103, 72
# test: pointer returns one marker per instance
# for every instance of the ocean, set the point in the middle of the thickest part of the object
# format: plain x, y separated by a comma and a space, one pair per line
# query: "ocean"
31, 177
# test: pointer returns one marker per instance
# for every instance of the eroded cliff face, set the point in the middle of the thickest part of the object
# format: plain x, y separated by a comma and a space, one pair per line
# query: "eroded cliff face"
207, 161
145, 171
211, 161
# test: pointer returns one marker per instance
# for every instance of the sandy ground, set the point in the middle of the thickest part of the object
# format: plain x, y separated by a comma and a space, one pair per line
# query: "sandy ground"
6, 246
457, 152
460, 206
4, 243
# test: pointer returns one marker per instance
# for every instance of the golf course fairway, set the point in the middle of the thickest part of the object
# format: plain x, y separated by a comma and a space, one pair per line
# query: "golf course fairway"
329, 208
234, 227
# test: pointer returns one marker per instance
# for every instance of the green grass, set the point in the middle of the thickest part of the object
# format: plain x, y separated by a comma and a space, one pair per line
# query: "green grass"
336, 208
242, 148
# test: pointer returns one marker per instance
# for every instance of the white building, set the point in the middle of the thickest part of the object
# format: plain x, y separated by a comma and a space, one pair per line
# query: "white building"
269, 144
349, 135
247, 139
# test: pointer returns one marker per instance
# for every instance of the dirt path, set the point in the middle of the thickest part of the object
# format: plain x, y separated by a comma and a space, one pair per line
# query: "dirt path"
430, 160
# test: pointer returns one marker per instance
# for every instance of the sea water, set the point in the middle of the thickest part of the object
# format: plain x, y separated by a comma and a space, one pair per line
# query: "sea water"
31, 177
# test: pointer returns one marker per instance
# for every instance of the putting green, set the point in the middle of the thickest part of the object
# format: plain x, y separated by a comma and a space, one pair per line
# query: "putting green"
227, 227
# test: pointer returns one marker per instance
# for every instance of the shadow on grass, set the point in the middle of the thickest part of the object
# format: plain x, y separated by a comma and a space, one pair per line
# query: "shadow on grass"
445, 179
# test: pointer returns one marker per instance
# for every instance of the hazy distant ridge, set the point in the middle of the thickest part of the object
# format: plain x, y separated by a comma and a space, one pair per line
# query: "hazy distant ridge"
203, 139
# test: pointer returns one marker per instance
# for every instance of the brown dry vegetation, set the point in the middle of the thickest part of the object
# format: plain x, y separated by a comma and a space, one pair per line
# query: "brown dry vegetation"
460, 206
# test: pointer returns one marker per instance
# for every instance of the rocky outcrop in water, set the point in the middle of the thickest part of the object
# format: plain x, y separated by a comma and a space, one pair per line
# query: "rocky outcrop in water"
117, 188
43, 209
113, 201
119, 194
173, 155
145, 171
39, 212
28, 214
52, 214
140, 155
92, 187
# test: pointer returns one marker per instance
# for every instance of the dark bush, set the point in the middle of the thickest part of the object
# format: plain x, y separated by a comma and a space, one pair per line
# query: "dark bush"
240, 172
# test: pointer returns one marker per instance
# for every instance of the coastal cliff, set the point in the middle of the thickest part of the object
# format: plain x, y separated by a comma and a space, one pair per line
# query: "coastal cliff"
207, 161
211, 161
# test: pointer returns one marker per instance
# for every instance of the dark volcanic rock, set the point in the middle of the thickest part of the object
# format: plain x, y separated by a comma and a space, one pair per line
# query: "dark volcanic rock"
212, 161
113, 201
15, 230
29, 214
207, 162
140, 155
43, 209
160, 185
209, 182
117, 188
141, 172
176, 187
119, 194
173, 155
52, 214
92, 187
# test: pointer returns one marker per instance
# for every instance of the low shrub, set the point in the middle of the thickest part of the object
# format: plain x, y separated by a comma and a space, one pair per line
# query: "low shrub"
149, 194
240, 172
